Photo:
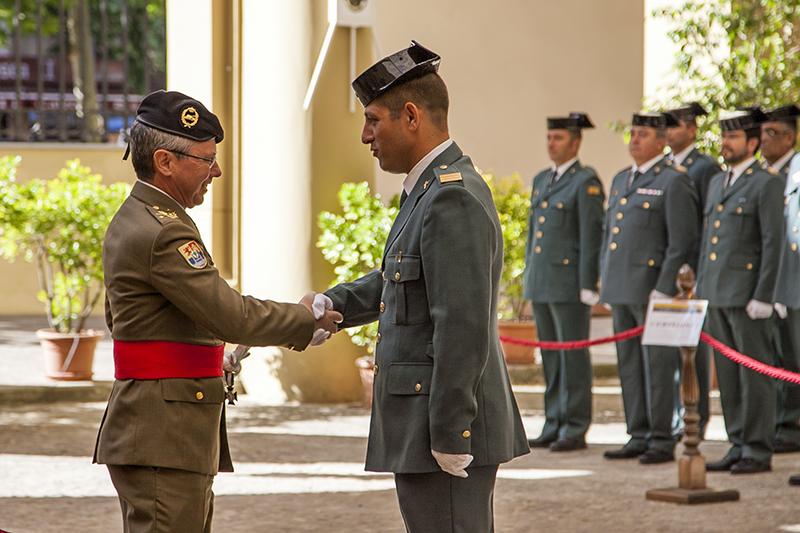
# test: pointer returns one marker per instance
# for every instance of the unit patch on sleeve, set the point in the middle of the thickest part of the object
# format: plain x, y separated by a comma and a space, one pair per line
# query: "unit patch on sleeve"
193, 253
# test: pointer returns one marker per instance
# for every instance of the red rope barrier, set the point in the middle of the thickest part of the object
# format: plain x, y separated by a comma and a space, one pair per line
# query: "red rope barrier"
748, 362
575, 345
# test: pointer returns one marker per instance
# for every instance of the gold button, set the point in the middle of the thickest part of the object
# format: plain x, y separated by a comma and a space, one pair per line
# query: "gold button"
537, 249
566, 261
615, 230
375, 370
619, 216
397, 276
613, 246
541, 220
794, 246
720, 208
560, 205
199, 395
717, 223
383, 307
738, 210
544, 204
443, 167
749, 266
651, 263
378, 338
539, 234
417, 387
646, 205
794, 229
466, 434
713, 256
383, 275
714, 239
623, 201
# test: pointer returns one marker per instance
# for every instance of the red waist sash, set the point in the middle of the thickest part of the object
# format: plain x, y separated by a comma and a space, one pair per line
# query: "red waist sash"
163, 359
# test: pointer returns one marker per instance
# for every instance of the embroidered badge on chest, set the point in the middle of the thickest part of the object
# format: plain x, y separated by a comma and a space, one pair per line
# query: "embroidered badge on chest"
193, 253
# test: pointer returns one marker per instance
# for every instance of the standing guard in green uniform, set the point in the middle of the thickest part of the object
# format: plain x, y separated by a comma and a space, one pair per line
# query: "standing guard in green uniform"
778, 137
565, 229
701, 167
739, 258
651, 230
170, 312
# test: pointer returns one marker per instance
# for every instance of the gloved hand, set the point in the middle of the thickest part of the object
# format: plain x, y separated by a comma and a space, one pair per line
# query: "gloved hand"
758, 310
658, 295
781, 310
321, 303
453, 464
231, 362
589, 297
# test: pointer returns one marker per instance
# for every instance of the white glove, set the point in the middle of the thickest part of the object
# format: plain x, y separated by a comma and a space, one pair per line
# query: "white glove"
781, 310
589, 297
321, 303
231, 362
453, 464
658, 295
758, 310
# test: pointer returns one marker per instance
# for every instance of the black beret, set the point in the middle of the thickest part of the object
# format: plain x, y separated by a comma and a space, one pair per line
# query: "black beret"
178, 114
688, 111
744, 118
575, 121
654, 120
400, 67
788, 113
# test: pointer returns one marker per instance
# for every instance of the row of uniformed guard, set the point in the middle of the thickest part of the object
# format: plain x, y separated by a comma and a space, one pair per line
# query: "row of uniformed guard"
662, 212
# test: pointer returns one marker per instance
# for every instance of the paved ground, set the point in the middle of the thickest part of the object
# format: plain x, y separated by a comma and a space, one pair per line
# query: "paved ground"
300, 469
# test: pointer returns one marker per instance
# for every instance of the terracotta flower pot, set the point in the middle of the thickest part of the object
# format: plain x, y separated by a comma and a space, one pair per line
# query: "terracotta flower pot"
524, 330
57, 348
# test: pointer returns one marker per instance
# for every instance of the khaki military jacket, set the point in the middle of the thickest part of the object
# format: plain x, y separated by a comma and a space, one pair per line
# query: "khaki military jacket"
440, 379
742, 239
565, 229
651, 230
161, 285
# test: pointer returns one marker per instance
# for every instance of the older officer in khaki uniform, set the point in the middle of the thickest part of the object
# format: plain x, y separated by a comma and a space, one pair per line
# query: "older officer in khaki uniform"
443, 414
778, 138
739, 259
701, 167
651, 230
565, 229
169, 311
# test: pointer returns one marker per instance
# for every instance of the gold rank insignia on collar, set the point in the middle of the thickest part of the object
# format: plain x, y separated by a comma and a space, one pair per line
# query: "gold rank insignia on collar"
164, 213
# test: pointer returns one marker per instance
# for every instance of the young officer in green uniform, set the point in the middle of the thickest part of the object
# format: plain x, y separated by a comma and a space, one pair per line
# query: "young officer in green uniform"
565, 229
651, 230
681, 136
778, 137
739, 258
443, 414
170, 312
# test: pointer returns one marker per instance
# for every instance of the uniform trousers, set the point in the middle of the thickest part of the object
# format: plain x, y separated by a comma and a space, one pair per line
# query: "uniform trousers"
787, 417
568, 374
163, 500
647, 376
748, 398
437, 502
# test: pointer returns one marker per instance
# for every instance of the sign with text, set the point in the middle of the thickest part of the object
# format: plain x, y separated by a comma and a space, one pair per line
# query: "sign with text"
674, 322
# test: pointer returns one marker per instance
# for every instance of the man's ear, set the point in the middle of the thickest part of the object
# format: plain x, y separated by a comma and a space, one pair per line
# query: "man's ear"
411, 116
163, 162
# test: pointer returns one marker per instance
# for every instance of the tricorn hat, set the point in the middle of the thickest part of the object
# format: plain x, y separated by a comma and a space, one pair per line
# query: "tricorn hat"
688, 112
575, 121
787, 113
654, 120
744, 118
396, 69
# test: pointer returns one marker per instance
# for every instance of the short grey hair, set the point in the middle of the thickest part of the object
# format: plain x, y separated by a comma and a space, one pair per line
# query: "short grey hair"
145, 141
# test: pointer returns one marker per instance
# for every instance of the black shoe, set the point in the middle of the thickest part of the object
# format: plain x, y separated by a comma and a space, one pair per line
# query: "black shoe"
566, 444
723, 465
653, 456
626, 452
783, 446
541, 442
794, 480
748, 465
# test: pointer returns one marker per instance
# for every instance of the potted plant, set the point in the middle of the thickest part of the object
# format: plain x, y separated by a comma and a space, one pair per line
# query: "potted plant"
512, 201
353, 242
60, 225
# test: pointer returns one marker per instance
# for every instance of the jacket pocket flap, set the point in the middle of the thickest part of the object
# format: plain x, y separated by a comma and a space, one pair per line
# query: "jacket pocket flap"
205, 390
402, 268
410, 378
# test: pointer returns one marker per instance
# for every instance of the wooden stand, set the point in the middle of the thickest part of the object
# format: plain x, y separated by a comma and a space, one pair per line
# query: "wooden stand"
691, 465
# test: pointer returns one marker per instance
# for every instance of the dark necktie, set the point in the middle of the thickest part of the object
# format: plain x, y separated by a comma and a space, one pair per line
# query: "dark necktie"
403, 197
633, 177
728, 180
552, 178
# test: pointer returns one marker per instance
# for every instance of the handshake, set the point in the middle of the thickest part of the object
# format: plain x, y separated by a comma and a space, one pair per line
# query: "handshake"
326, 318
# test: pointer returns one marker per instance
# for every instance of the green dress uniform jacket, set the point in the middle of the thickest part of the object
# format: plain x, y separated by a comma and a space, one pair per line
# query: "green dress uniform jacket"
565, 229
651, 230
701, 168
440, 379
154, 293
